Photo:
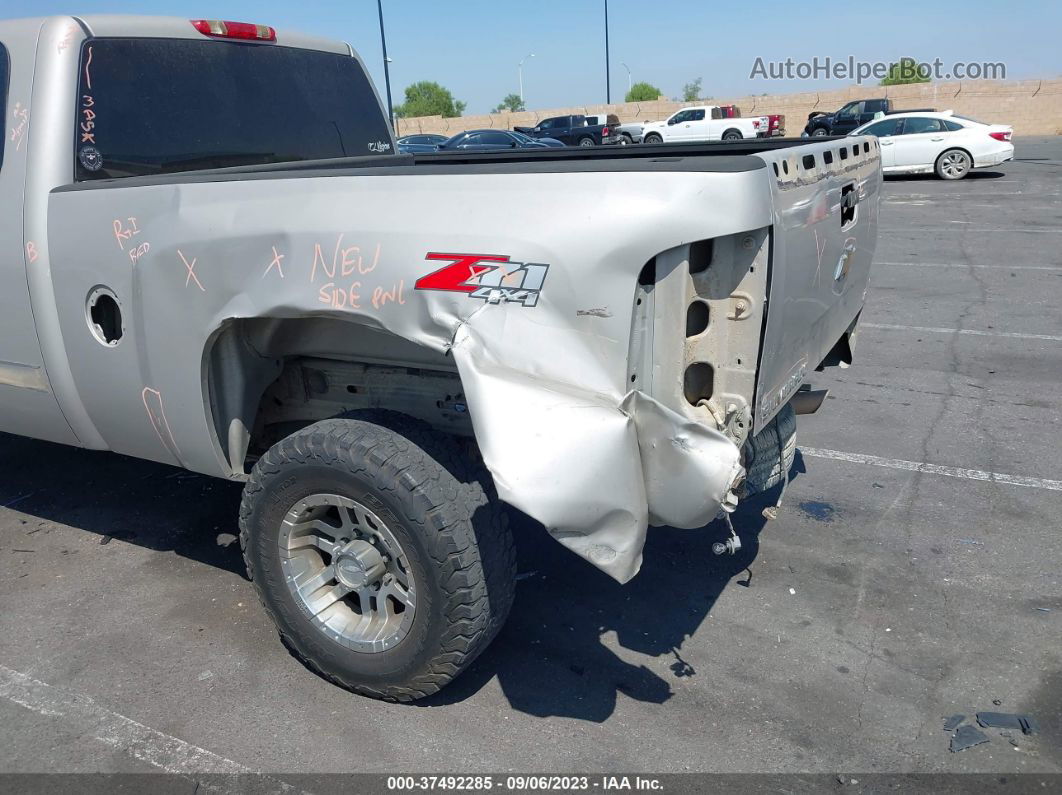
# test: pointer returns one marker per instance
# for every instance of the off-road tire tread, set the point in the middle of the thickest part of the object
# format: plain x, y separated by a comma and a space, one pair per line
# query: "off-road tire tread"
456, 496
763, 469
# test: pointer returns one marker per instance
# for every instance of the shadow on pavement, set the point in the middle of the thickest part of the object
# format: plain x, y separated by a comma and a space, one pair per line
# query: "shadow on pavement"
973, 175
116, 497
550, 659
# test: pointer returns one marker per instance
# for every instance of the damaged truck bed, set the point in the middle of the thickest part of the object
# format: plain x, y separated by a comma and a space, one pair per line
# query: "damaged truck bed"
618, 335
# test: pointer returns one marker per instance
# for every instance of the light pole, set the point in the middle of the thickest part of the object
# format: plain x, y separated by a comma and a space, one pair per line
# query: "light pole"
520, 73
386, 60
608, 83
629, 86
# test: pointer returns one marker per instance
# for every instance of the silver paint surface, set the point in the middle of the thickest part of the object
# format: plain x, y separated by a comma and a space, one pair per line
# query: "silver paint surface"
569, 436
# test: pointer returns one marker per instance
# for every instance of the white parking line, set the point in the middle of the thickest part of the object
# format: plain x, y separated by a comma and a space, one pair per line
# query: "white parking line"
995, 230
933, 469
83, 715
952, 195
968, 265
975, 332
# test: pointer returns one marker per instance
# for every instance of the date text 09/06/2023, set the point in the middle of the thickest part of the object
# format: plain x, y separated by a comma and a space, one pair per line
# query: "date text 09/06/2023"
521, 783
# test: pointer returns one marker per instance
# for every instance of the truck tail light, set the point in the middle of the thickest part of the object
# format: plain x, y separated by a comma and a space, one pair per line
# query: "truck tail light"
756, 123
604, 132
1000, 136
223, 29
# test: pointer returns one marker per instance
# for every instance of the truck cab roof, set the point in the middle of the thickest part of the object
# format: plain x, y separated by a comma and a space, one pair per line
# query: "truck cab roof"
143, 26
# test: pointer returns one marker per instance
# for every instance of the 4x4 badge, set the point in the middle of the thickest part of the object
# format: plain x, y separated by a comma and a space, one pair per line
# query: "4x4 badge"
490, 277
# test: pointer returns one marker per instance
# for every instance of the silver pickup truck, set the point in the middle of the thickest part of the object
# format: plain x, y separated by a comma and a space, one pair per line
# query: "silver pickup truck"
211, 257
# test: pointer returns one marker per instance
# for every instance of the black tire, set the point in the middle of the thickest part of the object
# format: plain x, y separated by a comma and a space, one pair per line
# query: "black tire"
442, 509
819, 132
652, 138
732, 135
586, 142
626, 139
764, 468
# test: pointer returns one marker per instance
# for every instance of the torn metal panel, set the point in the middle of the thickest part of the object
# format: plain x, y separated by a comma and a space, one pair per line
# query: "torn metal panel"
549, 453
567, 457
220, 283
688, 467
579, 366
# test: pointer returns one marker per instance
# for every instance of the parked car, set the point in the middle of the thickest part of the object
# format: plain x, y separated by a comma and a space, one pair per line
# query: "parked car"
943, 143
852, 115
629, 133
487, 140
775, 121
701, 123
420, 142
572, 131
276, 298
552, 143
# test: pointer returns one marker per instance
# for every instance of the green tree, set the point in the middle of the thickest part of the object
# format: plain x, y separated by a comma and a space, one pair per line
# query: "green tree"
691, 92
904, 71
511, 102
643, 92
427, 98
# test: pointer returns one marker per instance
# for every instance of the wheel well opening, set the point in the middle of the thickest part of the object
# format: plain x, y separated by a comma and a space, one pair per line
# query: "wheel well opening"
268, 378
956, 149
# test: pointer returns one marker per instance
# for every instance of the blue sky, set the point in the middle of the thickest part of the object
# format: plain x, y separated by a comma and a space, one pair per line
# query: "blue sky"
472, 46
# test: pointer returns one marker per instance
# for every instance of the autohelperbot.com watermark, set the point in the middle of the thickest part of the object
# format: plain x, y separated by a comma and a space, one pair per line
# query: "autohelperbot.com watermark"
851, 68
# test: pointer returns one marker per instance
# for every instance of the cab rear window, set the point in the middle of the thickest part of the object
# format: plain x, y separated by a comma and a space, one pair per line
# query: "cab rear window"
156, 106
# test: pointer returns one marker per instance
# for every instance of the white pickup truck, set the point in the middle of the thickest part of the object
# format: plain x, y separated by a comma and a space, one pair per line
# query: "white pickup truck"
703, 123
239, 277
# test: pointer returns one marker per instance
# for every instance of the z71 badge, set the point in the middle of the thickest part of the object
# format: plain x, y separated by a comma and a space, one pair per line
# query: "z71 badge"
490, 277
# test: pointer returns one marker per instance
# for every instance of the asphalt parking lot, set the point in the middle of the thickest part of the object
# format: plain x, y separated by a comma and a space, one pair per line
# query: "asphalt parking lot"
887, 595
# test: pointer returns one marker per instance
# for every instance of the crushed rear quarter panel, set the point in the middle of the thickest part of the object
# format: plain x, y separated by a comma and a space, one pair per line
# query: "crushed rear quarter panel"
546, 384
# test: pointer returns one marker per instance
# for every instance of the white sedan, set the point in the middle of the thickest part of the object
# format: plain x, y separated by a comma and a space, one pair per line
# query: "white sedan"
943, 143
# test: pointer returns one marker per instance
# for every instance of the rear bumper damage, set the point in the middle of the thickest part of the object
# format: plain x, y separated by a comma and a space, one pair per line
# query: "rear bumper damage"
595, 471
609, 364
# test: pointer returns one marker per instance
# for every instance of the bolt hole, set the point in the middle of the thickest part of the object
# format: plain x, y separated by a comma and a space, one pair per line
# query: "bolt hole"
634, 377
352, 389
696, 318
698, 382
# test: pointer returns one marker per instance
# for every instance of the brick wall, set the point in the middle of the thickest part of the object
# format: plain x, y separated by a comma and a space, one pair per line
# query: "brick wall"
1032, 107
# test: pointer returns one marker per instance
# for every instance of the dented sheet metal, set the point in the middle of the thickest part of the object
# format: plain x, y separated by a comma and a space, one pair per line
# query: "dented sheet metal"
546, 381
523, 282
595, 470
